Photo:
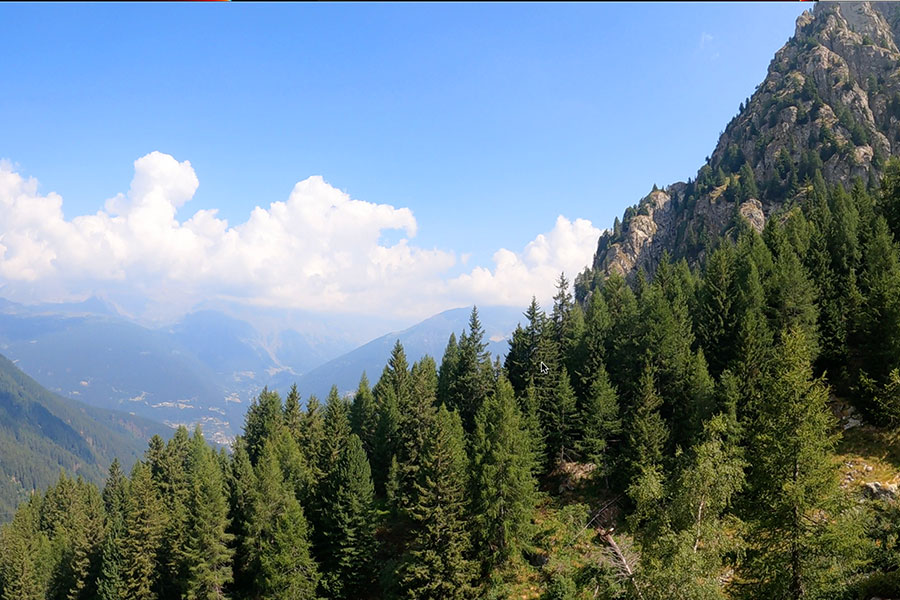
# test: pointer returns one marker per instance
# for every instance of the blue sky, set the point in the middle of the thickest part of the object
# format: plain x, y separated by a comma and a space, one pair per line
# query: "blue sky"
486, 121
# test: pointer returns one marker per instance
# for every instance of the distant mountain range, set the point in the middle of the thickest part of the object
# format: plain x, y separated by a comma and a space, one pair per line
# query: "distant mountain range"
41, 433
206, 367
428, 337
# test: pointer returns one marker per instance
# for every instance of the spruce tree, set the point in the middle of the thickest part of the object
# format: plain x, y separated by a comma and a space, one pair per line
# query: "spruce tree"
348, 525
364, 415
386, 440
264, 416
145, 525
171, 479
110, 584
472, 382
503, 488
560, 418
208, 554
601, 423
878, 325
293, 414
792, 480
278, 537
25, 555
715, 318
436, 567
447, 372
312, 435
647, 435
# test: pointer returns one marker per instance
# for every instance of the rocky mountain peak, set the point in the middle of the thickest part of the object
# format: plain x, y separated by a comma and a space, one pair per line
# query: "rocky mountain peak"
830, 103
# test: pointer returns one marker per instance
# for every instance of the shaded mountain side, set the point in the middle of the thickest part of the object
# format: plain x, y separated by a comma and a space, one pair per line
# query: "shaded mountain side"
830, 104
41, 433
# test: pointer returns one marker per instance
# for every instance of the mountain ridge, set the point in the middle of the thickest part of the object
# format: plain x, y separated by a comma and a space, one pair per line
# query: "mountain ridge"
830, 102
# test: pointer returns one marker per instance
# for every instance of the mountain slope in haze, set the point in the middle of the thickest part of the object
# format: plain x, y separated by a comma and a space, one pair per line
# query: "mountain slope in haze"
41, 433
830, 104
427, 337
202, 369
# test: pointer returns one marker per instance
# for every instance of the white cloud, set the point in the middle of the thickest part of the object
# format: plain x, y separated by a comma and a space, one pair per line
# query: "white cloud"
516, 277
318, 250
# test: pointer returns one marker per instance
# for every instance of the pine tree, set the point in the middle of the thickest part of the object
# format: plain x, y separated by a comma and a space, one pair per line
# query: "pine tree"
560, 421
242, 486
647, 435
791, 297
748, 183
447, 372
208, 554
25, 555
110, 585
72, 515
413, 429
171, 480
601, 423
385, 444
312, 435
278, 537
792, 480
715, 318
348, 525
364, 415
593, 343
878, 324
145, 525
293, 414
530, 410
503, 488
264, 416
473, 380
336, 430
436, 566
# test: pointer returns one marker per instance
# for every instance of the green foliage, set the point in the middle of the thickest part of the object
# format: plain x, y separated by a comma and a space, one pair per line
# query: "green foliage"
436, 565
348, 525
503, 488
208, 553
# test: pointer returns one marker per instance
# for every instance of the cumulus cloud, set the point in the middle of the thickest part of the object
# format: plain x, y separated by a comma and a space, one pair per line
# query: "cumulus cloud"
318, 250
568, 248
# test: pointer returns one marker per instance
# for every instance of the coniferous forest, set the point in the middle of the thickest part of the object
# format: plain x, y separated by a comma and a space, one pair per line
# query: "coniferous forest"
657, 438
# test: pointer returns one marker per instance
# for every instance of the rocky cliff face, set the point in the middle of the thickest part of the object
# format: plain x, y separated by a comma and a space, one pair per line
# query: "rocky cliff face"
829, 103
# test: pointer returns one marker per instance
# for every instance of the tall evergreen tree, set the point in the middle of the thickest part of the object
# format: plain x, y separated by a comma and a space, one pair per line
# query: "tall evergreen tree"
385, 444
472, 381
25, 555
647, 435
293, 413
278, 537
348, 525
447, 372
208, 553
110, 585
145, 523
792, 480
503, 488
364, 415
560, 416
436, 566
312, 435
600, 422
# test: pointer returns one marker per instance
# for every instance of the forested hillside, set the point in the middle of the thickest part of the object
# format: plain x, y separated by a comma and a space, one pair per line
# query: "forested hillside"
41, 433
829, 103
674, 427
677, 429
